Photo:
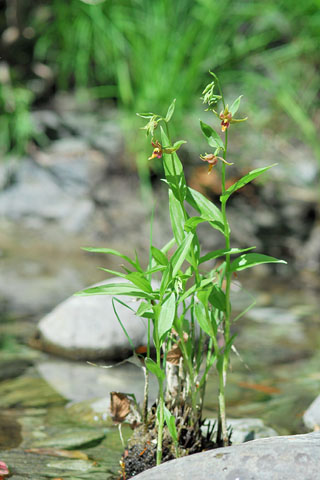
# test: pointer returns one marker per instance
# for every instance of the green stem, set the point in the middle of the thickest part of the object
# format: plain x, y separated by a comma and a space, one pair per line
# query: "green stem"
185, 213
160, 424
161, 395
223, 377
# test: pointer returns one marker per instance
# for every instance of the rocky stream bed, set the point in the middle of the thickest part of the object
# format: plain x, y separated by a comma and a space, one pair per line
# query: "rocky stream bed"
79, 191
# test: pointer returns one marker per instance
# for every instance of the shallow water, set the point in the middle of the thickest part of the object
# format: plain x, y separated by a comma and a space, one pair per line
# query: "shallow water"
54, 418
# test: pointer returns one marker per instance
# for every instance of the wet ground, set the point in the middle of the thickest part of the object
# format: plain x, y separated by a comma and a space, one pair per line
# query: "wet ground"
54, 414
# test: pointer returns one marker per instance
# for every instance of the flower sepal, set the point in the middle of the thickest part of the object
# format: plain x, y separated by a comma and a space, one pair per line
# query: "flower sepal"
226, 116
213, 159
159, 150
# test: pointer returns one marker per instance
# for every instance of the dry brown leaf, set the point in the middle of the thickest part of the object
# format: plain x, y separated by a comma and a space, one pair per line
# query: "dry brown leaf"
119, 406
174, 355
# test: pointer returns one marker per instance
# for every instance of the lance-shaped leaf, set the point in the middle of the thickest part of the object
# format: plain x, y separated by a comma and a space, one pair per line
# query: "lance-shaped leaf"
174, 147
235, 106
144, 308
206, 208
203, 320
177, 218
180, 254
154, 368
222, 252
145, 115
166, 279
192, 223
152, 270
217, 298
248, 260
140, 281
243, 181
194, 288
213, 139
170, 111
166, 316
173, 170
115, 289
111, 252
159, 256
171, 424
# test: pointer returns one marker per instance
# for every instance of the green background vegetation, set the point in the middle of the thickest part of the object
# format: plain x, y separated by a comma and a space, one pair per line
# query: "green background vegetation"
142, 54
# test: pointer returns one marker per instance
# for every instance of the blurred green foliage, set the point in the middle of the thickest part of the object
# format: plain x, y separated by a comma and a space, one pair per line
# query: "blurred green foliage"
16, 127
144, 53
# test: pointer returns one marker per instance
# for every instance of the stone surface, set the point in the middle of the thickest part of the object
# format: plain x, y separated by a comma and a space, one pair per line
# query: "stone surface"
27, 465
311, 417
71, 438
79, 381
246, 429
37, 197
278, 458
87, 327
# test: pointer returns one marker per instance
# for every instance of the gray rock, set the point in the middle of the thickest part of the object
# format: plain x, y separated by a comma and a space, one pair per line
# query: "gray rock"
311, 417
74, 165
273, 315
278, 458
38, 197
246, 429
87, 327
79, 382
30, 287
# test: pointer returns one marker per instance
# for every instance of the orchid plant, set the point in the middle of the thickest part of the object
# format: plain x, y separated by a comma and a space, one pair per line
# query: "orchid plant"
188, 313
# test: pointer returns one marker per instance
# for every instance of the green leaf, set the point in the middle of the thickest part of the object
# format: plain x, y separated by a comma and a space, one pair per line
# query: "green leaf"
180, 254
222, 252
173, 171
166, 279
115, 289
145, 115
159, 256
168, 245
119, 320
178, 144
213, 139
243, 181
152, 270
166, 316
207, 209
154, 368
113, 272
170, 111
194, 288
192, 223
203, 295
177, 218
235, 106
111, 252
171, 163
217, 298
248, 260
202, 319
171, 424
143, 308
140, 281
